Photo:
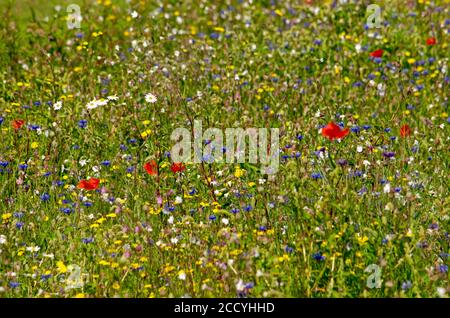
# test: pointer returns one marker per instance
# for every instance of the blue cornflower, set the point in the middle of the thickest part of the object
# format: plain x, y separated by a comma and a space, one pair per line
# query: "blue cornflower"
82, 123
248, 208
87, 240
23, 166
316, 175
66, 210
45, 197
434, 226
123, 147
18, 215
406, 285
106, 163
355, 129
212, 217
443, 268
388, 154
289, 249
318, 256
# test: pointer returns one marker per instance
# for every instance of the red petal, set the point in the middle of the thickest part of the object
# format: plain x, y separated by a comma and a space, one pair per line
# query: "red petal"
405, 131
377, 53
151, 168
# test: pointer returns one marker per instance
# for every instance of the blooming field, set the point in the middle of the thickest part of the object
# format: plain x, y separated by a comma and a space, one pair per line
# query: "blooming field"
93, 204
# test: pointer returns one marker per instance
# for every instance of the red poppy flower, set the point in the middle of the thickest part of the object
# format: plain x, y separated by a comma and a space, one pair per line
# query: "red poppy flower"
151, 168
405, 131
333, 131
177, 167
431, 41
90, 184
377, 53
18, 123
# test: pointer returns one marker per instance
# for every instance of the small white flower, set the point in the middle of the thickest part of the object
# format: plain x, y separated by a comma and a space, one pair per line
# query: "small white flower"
225, 221
57, 105
113, 97
441, 291
359, 148
134, 14
33, 248
240, 286
387, 188
178, 200
2, 239
174, 240
182, 275
170, 220
96, 103
150, 98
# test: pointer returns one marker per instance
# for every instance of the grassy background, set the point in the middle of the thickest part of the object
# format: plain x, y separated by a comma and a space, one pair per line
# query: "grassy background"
294, 236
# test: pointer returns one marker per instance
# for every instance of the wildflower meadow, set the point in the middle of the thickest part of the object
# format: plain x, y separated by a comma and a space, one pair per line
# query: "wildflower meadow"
233, 148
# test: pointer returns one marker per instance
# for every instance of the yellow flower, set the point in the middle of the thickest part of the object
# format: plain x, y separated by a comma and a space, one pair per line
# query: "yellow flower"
116, 286
34, 145
61, 267
104, 263
411, 61
362, 240
6, 216
135, 265
238, 172
79, 295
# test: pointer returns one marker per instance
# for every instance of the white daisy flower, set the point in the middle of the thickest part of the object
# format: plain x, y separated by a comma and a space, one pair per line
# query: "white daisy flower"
57, 105
150, 98
96, 103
